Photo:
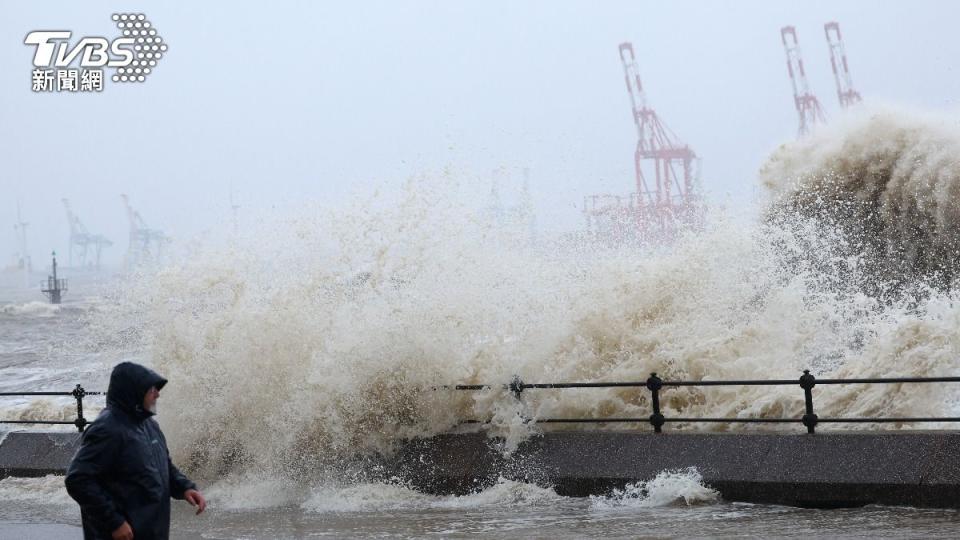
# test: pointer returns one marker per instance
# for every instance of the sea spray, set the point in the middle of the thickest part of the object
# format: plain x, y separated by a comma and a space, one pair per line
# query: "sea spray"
364, 497
332, 333
889, 181
668, 488
47, 490
884, 182
35, 308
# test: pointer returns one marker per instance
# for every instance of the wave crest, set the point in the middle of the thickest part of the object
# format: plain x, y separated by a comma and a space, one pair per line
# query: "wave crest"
668, 488
889, 180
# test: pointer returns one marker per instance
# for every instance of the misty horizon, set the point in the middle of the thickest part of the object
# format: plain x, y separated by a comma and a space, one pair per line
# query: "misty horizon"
278, 109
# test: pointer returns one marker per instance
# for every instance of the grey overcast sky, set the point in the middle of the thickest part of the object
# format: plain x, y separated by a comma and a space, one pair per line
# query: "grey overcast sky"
285, 101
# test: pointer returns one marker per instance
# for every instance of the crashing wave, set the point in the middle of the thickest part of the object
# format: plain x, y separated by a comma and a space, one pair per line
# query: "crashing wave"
282, 361
889, 181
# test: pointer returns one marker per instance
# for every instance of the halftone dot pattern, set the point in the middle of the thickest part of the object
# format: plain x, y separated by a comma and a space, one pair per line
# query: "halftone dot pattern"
148, 46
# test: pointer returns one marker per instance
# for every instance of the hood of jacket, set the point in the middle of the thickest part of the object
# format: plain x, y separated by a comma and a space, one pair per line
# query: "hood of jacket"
129, 383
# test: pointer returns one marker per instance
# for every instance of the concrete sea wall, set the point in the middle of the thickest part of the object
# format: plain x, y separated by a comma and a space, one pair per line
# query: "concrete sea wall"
838, 469
31, 454
822, 470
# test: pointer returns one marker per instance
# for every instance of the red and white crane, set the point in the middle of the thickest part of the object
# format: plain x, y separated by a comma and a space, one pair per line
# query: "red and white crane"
806, 103
666, 194
841, 71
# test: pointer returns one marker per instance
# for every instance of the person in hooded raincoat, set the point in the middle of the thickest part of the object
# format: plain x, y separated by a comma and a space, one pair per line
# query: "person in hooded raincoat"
122, 475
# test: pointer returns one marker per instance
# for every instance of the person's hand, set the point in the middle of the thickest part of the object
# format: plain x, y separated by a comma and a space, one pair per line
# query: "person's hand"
123, 532
195, 499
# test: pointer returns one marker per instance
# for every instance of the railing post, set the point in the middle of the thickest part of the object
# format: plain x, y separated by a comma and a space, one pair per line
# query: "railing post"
516, 388
80, 422
807, 382
654, 384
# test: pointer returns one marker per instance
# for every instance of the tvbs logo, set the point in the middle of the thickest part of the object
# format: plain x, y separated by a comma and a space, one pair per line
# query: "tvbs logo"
95, 50
134, 54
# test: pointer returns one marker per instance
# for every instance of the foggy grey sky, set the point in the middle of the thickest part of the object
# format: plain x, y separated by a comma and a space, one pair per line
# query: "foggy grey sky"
290, 101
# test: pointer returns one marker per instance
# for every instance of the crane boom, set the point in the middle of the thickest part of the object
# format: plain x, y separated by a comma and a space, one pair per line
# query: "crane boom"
806, 103
847, 95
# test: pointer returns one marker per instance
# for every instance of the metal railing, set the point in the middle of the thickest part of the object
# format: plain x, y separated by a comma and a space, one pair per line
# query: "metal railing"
78, 393
655, 384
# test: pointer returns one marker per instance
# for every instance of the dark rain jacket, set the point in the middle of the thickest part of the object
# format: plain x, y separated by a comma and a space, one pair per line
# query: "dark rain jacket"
122, 470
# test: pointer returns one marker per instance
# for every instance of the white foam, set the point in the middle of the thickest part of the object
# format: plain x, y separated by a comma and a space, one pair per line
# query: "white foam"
46, 490
251, 492
46, 409
34, 309
668, 488
363, 497
329, 335
505, 493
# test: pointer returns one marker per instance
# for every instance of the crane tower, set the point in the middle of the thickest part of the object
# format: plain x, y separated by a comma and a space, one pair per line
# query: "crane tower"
806, 103
145, 244
838, 61
665, 174
23, 257
82, 239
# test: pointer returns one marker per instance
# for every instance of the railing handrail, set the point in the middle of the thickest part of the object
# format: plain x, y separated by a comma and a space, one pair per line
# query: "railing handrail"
733, 382
654, 384
71, 393
77, 393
